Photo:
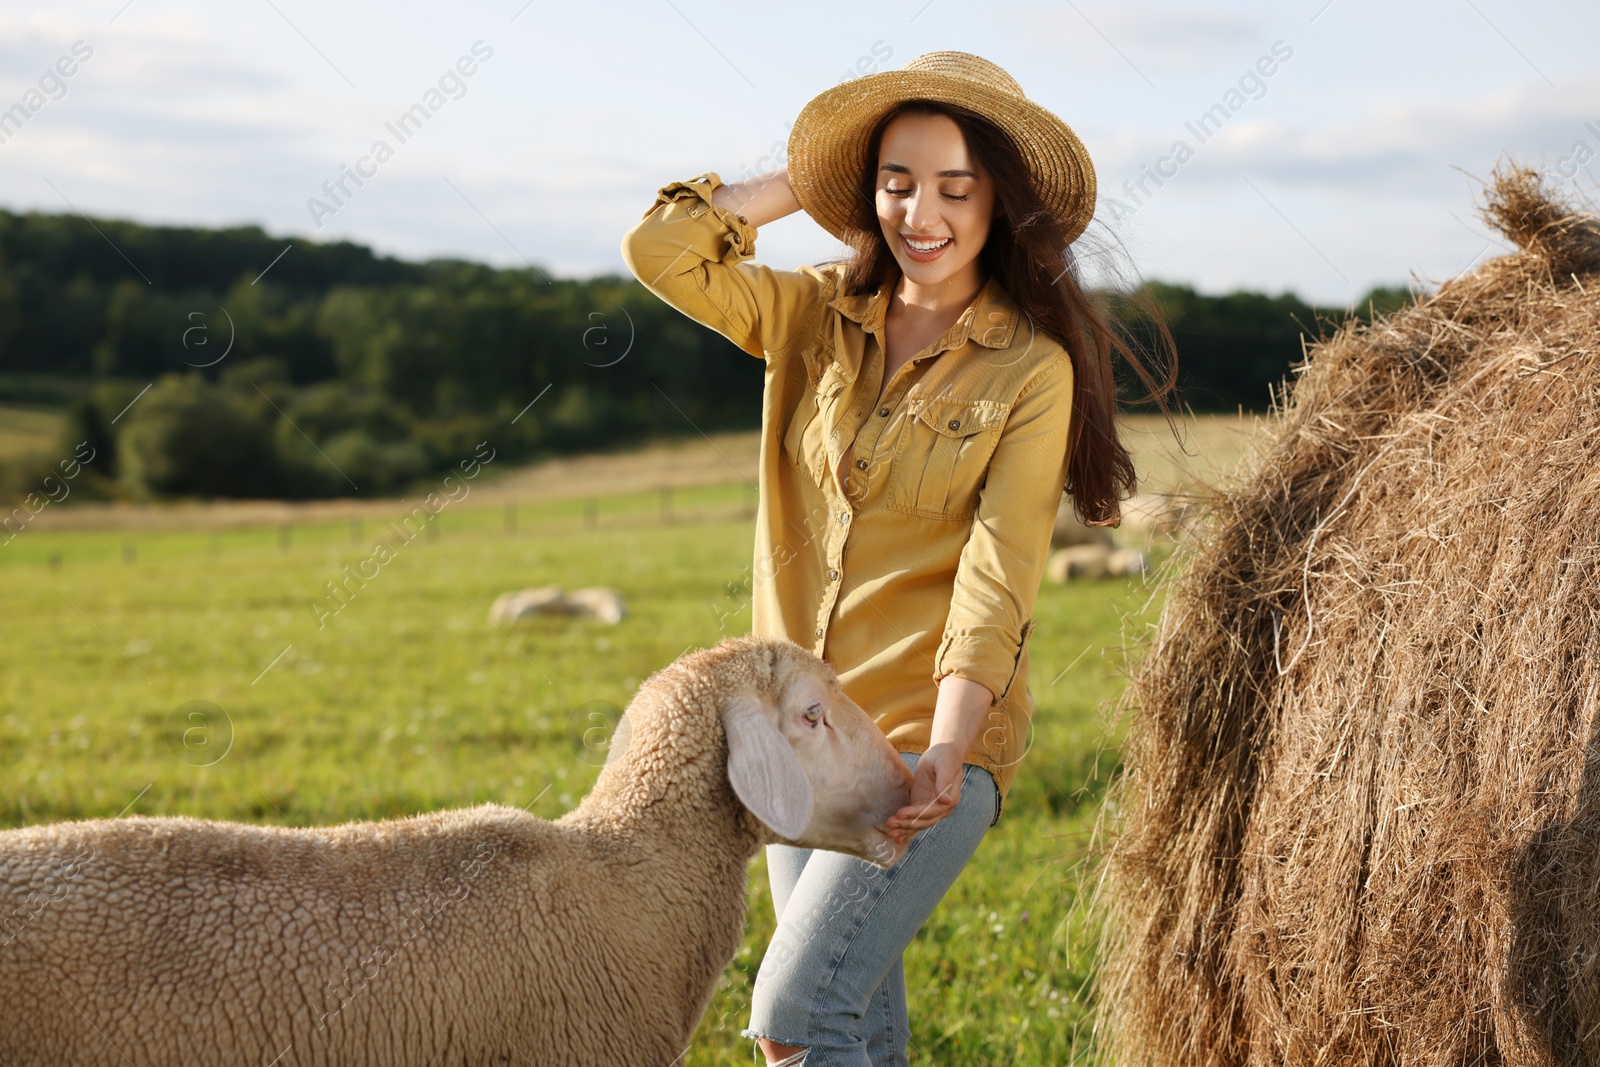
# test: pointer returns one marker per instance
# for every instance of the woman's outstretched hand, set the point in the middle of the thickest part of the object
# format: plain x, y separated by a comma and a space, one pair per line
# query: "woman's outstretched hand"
935, 791
958, 715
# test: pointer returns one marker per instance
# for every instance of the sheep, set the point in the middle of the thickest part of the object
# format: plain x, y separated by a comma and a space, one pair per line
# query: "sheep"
545, 600
469, 936
1128, 563
595, 601
1071, 531
1095, 561
1078, 561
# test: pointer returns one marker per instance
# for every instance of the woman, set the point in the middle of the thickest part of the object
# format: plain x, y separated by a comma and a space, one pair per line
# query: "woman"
925, 404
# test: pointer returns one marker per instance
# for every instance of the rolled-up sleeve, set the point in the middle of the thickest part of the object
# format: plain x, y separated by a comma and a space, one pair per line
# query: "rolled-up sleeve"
997, 578
695, 256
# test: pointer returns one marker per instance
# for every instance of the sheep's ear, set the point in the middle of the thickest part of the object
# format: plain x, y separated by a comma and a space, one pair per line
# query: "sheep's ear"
619, 740
763, 769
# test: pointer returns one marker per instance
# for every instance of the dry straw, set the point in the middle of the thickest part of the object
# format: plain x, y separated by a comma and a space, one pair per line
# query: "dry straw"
1360, 819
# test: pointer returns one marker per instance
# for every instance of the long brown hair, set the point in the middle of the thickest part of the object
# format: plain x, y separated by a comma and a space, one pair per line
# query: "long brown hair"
1040, 269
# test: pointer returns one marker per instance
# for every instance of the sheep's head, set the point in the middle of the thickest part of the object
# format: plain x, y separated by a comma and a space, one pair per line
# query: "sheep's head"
803, 758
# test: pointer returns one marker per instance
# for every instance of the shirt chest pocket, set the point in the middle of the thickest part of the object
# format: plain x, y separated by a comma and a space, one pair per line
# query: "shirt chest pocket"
804, 442
942, 457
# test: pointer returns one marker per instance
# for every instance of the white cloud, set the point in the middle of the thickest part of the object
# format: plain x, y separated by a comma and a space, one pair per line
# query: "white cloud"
1153, 37
1398, 147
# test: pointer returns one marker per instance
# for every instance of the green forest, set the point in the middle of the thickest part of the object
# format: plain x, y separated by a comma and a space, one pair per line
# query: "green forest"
227, 363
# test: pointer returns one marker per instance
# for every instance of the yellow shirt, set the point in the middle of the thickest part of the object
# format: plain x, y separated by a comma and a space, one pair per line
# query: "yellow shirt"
902, 527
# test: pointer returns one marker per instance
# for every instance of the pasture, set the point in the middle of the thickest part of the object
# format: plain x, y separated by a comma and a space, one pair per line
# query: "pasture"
175, 660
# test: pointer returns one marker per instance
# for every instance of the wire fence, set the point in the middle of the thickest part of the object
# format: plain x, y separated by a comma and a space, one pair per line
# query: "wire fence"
594, 512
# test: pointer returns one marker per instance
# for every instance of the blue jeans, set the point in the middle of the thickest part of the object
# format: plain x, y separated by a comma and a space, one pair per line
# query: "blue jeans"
833, 979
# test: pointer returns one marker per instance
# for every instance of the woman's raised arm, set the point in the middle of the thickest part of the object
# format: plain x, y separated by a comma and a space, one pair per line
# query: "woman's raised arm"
760, 199
692, 248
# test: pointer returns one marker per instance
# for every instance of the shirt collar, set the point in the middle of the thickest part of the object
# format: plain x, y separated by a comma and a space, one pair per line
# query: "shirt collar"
990, 320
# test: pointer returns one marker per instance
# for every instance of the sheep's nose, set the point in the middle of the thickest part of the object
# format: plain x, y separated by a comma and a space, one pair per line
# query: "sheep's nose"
900, 778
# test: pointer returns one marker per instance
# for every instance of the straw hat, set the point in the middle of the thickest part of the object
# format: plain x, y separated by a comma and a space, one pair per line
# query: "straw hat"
828, 144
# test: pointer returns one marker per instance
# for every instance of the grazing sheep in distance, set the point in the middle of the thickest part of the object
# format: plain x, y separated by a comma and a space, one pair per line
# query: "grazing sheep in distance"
1095, 561
472, 936
595, 602
1071, 531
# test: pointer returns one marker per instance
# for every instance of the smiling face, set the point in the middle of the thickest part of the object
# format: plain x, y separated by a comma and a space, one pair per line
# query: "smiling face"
932, 192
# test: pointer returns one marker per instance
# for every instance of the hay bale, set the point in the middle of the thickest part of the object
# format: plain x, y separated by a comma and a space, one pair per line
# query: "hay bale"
1361, 807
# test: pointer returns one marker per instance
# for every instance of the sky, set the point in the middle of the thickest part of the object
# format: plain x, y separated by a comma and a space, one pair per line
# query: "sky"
1358, 161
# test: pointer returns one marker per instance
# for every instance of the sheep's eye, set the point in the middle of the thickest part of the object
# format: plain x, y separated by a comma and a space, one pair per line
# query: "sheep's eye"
813, 713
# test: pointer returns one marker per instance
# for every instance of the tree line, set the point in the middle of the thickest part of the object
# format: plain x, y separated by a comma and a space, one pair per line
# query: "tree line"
258, 366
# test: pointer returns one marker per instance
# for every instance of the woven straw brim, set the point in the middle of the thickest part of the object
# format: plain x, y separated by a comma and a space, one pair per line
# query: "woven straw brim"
828, 144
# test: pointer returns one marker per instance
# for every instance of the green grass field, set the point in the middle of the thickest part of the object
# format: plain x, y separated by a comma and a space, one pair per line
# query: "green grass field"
407, 700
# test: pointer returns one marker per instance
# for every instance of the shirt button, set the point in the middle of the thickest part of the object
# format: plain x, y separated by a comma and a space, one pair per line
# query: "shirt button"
844, 517
744, 220
819, 631
861, 464
955, 424
832, 574
883, 411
